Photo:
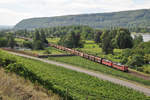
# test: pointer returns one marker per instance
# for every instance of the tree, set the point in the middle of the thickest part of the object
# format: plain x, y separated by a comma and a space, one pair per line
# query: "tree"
38, 45
137, 40
3, 42
113, 33
125, 54
136, 60
37, 35
123, 39
27, 44
97, 35
11, 42
39, 41
106, 42
71, 40
147, 58
43, 38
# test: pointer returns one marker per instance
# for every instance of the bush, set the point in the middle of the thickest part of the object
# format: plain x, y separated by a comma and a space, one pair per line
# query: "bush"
147, 71
28, 44
3, 42
135, 60
6, 61
47, 51
141, 69
38, 45
18, 68
100, 45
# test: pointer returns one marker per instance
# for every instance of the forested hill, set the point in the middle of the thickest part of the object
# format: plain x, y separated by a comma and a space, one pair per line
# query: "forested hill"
2, 27
136, 18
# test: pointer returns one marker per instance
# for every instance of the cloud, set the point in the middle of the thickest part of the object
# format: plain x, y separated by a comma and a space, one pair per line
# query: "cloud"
9, 17
13, 11
7, 1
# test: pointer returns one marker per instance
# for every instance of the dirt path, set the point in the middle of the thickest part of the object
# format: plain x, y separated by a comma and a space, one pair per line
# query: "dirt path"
92, 73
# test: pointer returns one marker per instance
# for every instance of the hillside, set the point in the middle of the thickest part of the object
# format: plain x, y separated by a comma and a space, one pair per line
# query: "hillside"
5, 27
140, 18
18, 88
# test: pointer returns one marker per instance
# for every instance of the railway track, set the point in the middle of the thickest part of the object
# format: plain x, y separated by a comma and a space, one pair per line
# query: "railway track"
146, 77
137, 74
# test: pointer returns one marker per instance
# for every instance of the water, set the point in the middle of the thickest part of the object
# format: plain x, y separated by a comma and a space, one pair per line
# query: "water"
146, 36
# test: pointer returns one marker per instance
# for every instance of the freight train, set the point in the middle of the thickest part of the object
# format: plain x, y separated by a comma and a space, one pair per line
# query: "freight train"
93, 58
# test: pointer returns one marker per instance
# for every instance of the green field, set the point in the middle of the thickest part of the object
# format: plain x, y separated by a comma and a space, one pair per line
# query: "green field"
53, 40
79, 85
19, 40
50, 49
146, 68
92, 48
81, 62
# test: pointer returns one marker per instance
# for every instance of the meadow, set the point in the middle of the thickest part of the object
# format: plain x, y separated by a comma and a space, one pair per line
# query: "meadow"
19, 40
75, 85
53, 40
49, 50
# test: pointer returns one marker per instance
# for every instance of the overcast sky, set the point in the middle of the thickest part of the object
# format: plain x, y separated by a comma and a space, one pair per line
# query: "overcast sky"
13, 11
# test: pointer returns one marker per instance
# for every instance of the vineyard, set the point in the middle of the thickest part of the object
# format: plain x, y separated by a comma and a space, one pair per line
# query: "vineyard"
75, 85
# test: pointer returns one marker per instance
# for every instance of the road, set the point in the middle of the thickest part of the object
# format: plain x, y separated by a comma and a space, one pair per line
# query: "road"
140, 88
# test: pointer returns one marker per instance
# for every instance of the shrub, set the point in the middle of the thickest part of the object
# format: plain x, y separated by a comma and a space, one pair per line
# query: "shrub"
140, 69
135, 60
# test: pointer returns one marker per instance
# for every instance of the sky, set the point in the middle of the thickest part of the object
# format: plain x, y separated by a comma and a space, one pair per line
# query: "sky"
13, 11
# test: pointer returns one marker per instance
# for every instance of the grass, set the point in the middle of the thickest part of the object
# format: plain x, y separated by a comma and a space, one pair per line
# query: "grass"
53, 40
81, 62
13, 87
50, 49
146, 68
19, 40
79, 85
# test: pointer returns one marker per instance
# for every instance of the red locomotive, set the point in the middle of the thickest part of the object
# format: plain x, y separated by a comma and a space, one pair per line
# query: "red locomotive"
107, 62
120, 67
93, 58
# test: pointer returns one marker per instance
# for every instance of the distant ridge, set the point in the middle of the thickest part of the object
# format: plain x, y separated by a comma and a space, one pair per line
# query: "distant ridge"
5, 27
134, 18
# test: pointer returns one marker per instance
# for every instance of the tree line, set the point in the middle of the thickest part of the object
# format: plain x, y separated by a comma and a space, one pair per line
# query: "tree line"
86, 31
38, 42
